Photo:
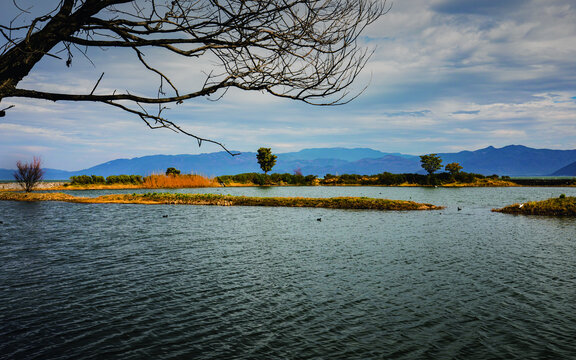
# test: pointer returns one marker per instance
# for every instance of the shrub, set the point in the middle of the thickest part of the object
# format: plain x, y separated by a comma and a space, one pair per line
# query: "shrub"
98, 179
81, 180
389, 179
272, 179
124, 179
110, 180
310, 179
467, 178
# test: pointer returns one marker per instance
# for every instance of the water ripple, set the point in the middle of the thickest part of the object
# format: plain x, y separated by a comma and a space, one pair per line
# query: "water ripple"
119, 281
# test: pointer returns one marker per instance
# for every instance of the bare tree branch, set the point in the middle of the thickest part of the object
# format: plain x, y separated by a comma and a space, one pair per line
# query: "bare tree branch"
306, 50
29, 175
97, 82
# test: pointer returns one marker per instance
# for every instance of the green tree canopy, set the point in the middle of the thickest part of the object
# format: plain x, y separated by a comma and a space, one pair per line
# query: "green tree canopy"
172, 171
266, 159
453, 168
431, 163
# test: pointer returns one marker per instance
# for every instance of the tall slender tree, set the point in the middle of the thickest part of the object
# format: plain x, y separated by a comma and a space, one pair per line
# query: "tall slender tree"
266, 159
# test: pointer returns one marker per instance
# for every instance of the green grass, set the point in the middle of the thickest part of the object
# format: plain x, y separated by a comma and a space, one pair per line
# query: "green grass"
331, 203
229, 200
560, 206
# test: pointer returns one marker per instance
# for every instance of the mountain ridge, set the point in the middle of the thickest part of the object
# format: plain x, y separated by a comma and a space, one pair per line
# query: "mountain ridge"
568, 170
511, 160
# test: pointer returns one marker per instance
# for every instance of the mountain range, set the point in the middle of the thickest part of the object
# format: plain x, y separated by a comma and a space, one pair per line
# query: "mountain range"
512, 160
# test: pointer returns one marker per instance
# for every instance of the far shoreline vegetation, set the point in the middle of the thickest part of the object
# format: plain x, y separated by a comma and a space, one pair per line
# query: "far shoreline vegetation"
30, 175
383, 179
175, 181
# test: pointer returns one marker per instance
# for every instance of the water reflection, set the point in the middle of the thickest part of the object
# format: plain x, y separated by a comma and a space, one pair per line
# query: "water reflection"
123, 281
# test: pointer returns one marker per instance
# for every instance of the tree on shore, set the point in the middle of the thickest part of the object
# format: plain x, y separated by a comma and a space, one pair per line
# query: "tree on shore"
29, 174
453, 168
172, 171
266, 159
298, 49
431, 163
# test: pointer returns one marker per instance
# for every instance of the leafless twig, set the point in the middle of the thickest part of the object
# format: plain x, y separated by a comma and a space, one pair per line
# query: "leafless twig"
305, 50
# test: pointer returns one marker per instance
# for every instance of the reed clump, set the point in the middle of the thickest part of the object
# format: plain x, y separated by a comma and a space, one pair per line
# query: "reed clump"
560, 206
161, 181
154, 181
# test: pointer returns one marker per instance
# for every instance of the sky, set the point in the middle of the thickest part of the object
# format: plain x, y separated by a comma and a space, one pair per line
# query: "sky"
445, 76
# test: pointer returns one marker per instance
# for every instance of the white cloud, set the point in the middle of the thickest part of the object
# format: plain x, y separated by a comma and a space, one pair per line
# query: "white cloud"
446, 75
511, 134
14, 130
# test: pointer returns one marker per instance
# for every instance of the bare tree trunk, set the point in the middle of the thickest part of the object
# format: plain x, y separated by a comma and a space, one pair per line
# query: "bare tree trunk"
17, 63
306, 50
28, 175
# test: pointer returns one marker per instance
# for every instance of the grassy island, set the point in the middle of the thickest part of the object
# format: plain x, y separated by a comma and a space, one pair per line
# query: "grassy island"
227, 200
560, 206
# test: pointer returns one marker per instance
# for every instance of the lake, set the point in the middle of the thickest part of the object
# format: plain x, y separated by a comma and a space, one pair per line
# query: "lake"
124, 281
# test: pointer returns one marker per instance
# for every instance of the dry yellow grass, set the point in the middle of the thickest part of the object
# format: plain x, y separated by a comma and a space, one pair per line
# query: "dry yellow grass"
34, 196
158, 181
155, 181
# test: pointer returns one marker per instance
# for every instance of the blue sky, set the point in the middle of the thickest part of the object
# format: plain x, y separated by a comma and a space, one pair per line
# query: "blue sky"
446, 75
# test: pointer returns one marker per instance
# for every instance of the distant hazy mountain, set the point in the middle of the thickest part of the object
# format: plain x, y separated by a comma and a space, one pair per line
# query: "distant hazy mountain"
514, 160
334, 153
345, 161
6, 174
569, 170
212, 164
49, 174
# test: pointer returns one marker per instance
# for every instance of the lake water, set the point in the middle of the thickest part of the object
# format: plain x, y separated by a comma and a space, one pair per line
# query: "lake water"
112, 281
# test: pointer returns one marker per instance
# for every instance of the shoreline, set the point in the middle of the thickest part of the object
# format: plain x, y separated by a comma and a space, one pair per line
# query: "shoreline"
61, 185
358, 203
47, 185
563, 206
